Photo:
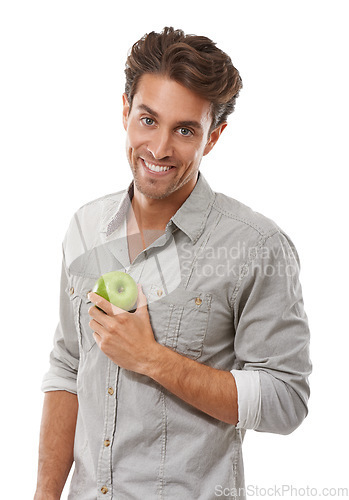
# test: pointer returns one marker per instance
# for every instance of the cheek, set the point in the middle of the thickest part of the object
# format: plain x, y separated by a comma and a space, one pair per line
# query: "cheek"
193, 152
135, 136
132, 139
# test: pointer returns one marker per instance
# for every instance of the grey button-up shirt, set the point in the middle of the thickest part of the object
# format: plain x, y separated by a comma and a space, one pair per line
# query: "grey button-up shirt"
222, 288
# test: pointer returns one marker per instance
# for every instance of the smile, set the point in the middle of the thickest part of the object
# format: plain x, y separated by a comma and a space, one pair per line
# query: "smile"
156, 168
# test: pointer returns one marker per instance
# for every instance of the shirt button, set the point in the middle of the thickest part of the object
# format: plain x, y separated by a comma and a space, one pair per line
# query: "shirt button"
160, 292
104, 490
106, 443
198, 301
111, 391
71, 290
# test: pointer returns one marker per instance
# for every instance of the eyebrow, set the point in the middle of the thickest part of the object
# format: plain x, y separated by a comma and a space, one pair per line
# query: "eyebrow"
184, 123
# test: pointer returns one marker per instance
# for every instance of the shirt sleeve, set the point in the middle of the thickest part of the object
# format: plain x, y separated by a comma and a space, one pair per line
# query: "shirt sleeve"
249, 398
64, 358
272, 338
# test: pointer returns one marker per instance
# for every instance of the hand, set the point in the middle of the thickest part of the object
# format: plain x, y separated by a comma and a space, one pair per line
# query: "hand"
126, 338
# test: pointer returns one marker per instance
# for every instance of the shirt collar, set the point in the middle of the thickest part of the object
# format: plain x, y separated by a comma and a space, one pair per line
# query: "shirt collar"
190, 217
119, 216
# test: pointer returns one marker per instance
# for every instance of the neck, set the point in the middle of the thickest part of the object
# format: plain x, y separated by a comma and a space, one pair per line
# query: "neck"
151, 214
154, 214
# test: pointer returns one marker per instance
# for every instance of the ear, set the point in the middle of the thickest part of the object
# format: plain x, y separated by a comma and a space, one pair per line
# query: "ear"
214, 136
125, 110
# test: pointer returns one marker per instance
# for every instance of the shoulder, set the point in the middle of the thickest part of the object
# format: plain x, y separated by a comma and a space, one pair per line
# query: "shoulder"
103, 203
93, 216
242, 225
238, 214
88, 225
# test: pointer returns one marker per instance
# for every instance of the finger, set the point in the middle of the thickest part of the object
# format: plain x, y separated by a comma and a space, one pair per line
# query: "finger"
142, 300
97, 328
99, 301
104, 304
97, 338
100, 317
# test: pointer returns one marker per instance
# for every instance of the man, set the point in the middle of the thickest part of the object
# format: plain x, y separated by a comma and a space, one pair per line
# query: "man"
155, 403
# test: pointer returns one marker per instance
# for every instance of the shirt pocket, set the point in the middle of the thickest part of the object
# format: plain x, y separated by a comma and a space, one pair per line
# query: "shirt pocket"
78, 289
185, 315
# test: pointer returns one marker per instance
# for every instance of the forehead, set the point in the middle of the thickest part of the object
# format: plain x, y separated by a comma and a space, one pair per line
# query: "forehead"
171, 99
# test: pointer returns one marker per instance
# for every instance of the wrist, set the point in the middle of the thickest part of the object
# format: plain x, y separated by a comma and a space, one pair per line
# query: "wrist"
153, 363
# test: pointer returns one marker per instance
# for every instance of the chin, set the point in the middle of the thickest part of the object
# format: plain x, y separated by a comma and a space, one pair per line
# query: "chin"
154, 194
150, 188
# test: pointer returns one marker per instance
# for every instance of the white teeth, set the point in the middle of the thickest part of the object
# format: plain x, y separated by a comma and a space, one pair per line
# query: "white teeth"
156, 168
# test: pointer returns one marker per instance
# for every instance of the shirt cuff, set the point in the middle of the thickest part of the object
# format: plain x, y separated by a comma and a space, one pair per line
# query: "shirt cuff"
51, 382
249, 398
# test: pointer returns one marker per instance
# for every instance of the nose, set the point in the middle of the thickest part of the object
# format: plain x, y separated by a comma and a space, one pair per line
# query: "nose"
160, 145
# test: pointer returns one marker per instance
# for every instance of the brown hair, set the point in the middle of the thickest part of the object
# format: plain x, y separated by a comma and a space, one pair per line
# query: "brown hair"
193, 61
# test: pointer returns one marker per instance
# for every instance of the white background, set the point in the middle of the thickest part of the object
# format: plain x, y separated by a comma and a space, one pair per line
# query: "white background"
284, 153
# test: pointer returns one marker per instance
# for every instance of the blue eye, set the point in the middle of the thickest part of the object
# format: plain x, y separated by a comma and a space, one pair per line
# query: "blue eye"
148, 121
185, 132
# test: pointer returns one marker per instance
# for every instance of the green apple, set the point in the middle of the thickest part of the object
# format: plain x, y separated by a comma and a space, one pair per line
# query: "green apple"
118, 288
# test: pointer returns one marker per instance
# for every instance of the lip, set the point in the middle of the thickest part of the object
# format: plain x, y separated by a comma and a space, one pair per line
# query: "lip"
157, 174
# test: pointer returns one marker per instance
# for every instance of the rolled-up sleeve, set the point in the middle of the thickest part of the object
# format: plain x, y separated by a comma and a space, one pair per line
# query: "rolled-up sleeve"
249, 398
272, 335
64, 358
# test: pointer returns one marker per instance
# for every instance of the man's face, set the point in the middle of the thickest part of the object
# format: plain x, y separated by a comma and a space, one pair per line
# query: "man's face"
167, 135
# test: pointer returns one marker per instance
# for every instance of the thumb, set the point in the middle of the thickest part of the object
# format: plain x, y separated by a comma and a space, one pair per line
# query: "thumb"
142, 300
